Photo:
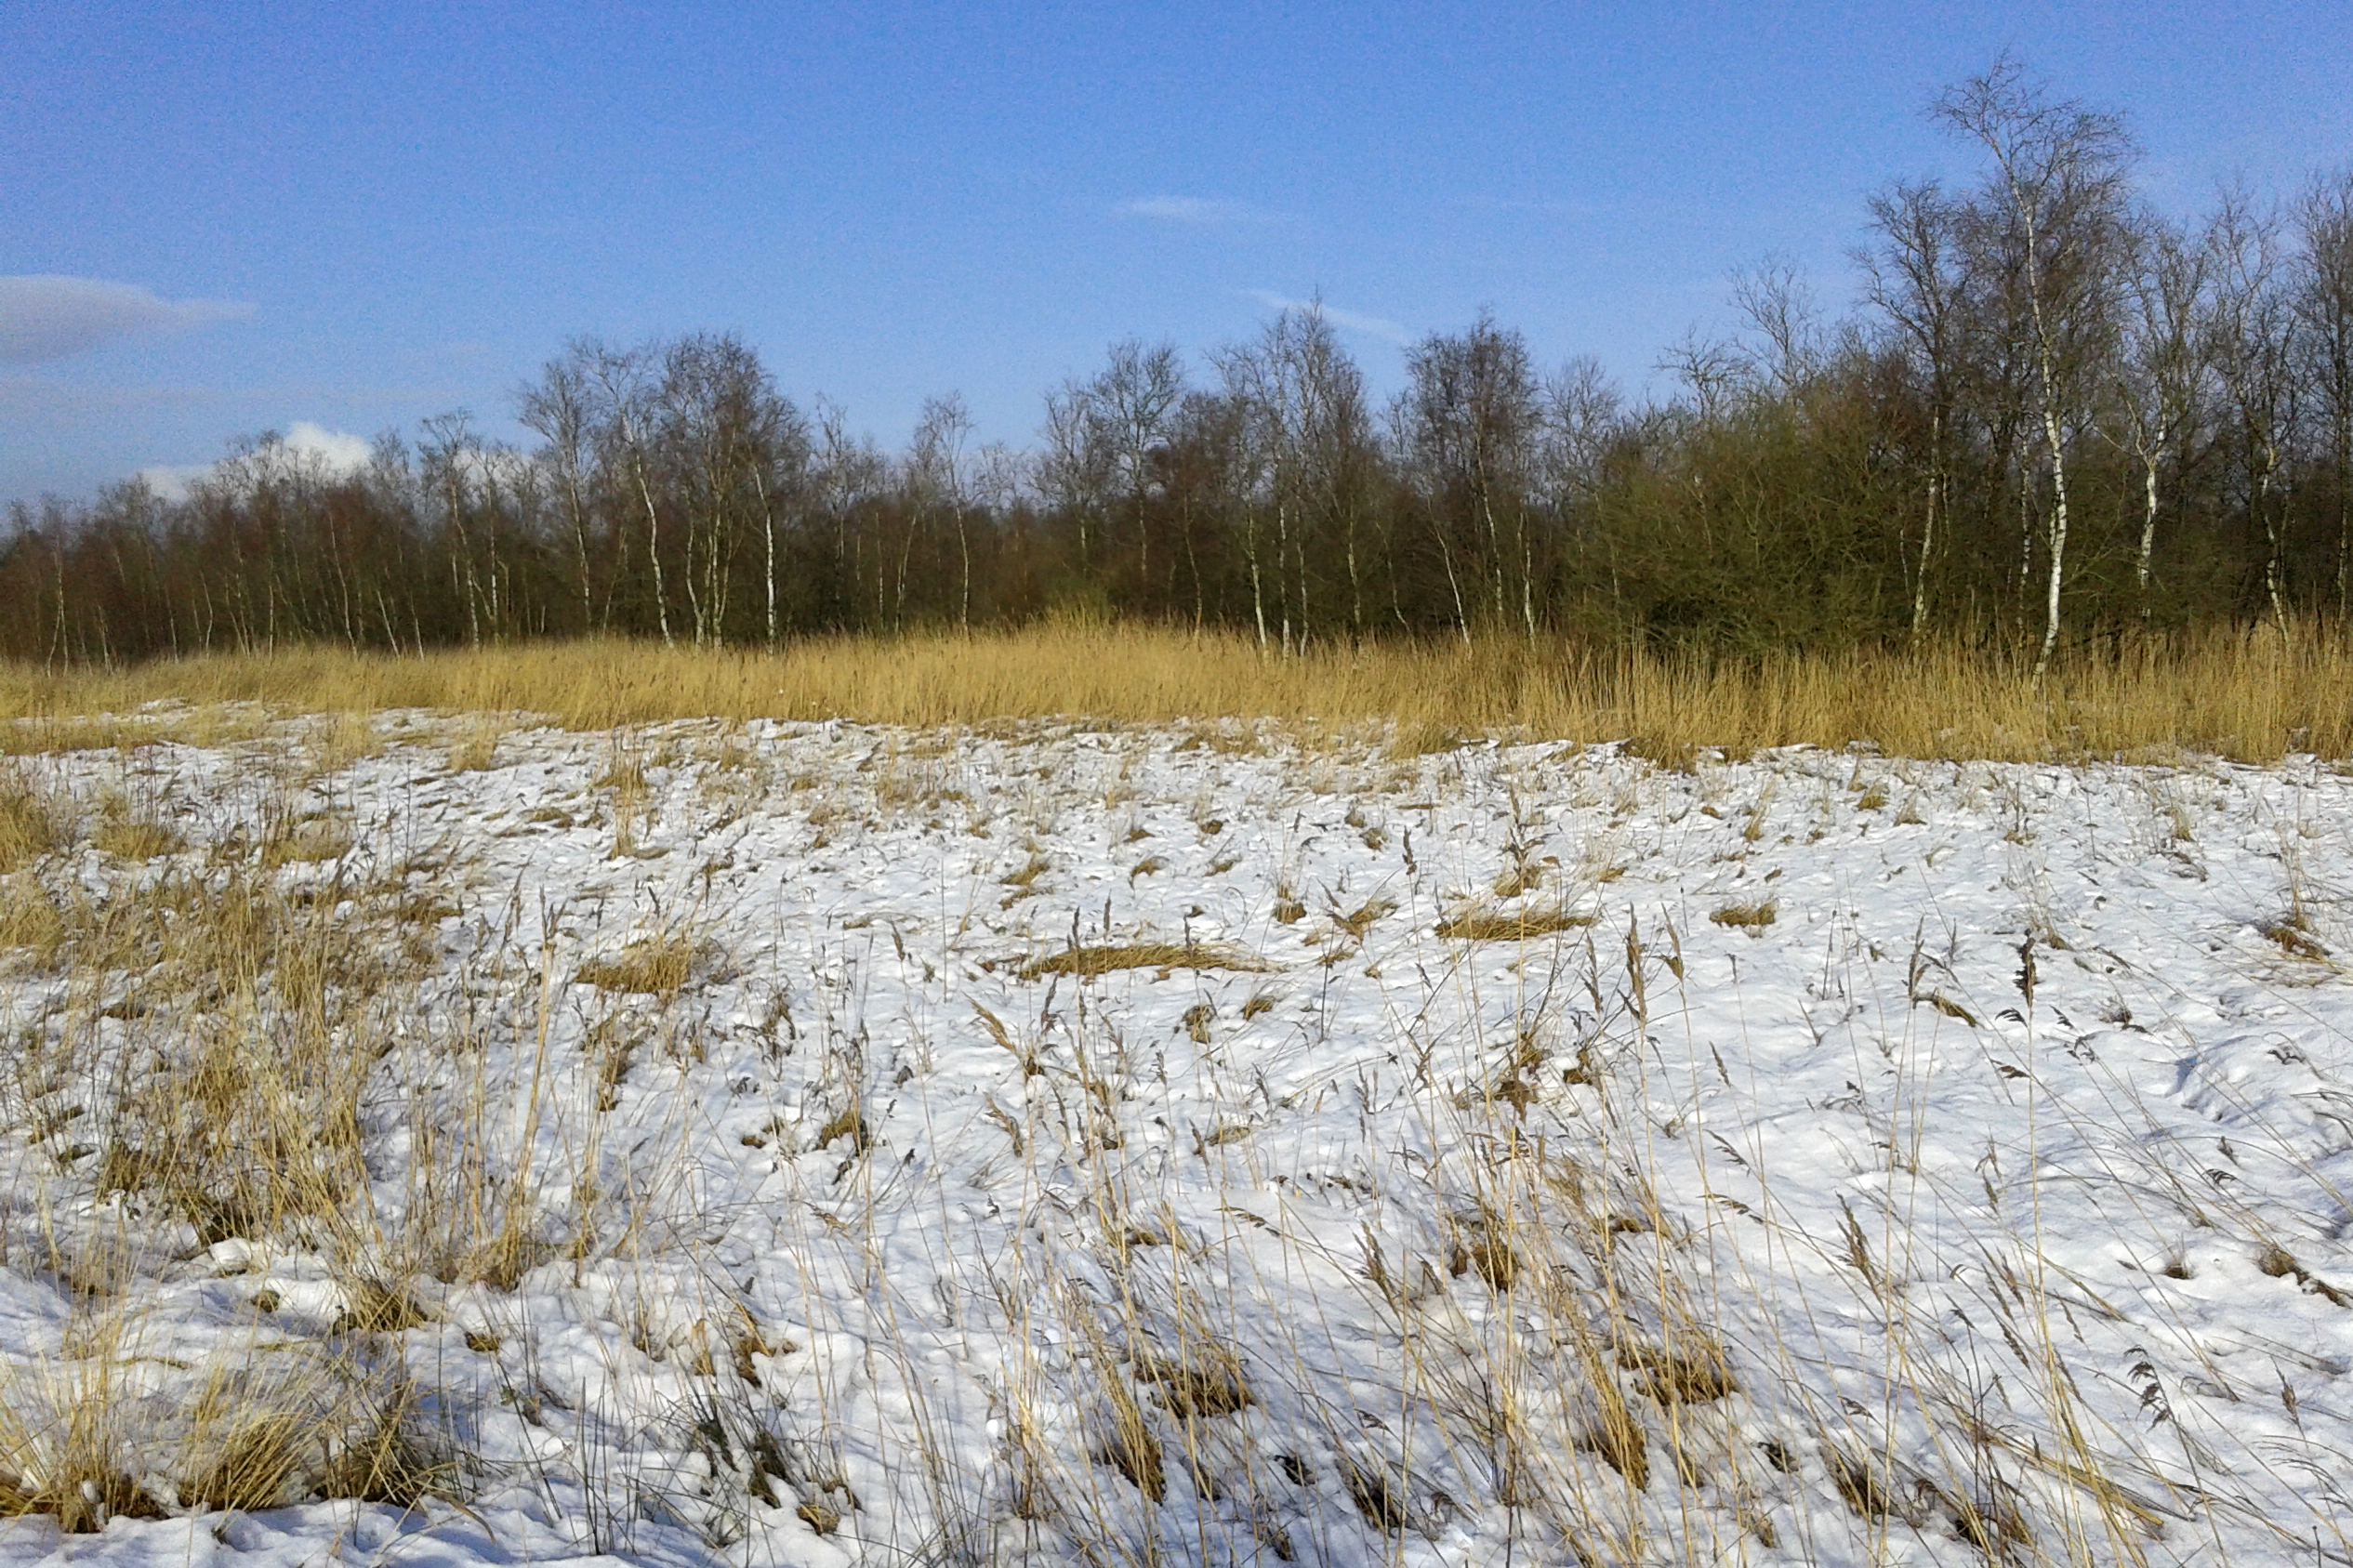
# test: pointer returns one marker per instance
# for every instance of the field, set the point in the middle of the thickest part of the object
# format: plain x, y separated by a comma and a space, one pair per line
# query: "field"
1347, 1135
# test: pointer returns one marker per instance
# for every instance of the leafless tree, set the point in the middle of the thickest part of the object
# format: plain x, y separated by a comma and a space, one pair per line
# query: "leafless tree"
937, 479
1783, 322
450, 456
2162, 373
1077, 468
1914, 276
2323, 296
558, 408
1471, 424
1305, 426
1130, 403
2058, 189
2248, 334
620, 381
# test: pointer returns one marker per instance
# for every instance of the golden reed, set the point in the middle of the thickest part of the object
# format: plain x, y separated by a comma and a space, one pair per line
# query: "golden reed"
2246, 694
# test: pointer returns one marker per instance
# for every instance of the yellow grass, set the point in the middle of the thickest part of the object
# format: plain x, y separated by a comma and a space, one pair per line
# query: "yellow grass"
29, 825
656, 965
1086, 962
2248, 695
1510, 925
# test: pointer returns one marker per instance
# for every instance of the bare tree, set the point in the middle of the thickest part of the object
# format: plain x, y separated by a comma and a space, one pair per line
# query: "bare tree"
1305, 428
846, 474
937, 478
779, 474
2057, 189
1583, 416
450, 454
1915, 278
719, 416
2249, 328
1471, 427
1129, 404
1713, 371
2161, 372
559, 409
1784, 321
2324, 310
619, 379
1074, 470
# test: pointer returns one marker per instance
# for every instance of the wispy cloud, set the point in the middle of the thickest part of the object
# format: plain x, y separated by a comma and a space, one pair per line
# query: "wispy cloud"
338, 452
45, 316
1197, 210
1350, 320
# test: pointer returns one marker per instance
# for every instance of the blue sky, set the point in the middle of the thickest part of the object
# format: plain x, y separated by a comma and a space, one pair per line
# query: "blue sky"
353, 215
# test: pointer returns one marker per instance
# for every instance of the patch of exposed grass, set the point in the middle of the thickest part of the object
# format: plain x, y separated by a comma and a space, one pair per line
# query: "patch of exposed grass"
653, 965
318, 838
131, 839
40, 731
1026, 877
30, 825
1511, 924
1747, 916
347, 738
29, 921
2293, 937
1361, 919
134, 833
1102, 959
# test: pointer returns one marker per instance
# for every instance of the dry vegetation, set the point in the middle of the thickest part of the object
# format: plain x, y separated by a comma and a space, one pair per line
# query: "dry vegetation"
248, 1045
2251, 695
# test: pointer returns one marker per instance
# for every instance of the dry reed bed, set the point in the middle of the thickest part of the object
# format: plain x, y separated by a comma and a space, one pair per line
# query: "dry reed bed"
2251, 696
723, 1140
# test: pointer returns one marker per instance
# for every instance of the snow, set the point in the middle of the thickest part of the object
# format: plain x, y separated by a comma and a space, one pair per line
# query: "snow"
2008, 1162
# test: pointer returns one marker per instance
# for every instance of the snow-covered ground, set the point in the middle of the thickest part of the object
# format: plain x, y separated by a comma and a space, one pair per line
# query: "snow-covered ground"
1821, 1158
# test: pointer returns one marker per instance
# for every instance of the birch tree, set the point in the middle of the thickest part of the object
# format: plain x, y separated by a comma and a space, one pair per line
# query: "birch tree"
1915, 277
558, 409
1129, 405
2057, 187
1471, 427
2323, 299
620, 382
937, 479
2160, 378
2248, 334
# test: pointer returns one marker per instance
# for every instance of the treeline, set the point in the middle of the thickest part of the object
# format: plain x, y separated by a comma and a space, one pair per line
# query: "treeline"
2055, 414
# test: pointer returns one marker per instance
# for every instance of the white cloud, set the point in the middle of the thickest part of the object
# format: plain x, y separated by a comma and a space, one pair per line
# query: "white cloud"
1351, 321
45, 317
173, 480
340, 450
335, 453
1186, 209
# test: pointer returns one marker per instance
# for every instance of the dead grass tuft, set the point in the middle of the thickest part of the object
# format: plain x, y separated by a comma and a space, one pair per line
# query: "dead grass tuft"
1511, 924
1207, 1381
658, 966
30, 825
1086, 962
1747, 916
31, 922
249, 1458
476, 748
316, 839
64, 1449
387, 1452
2290, 936
130, 834
1696, 1376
